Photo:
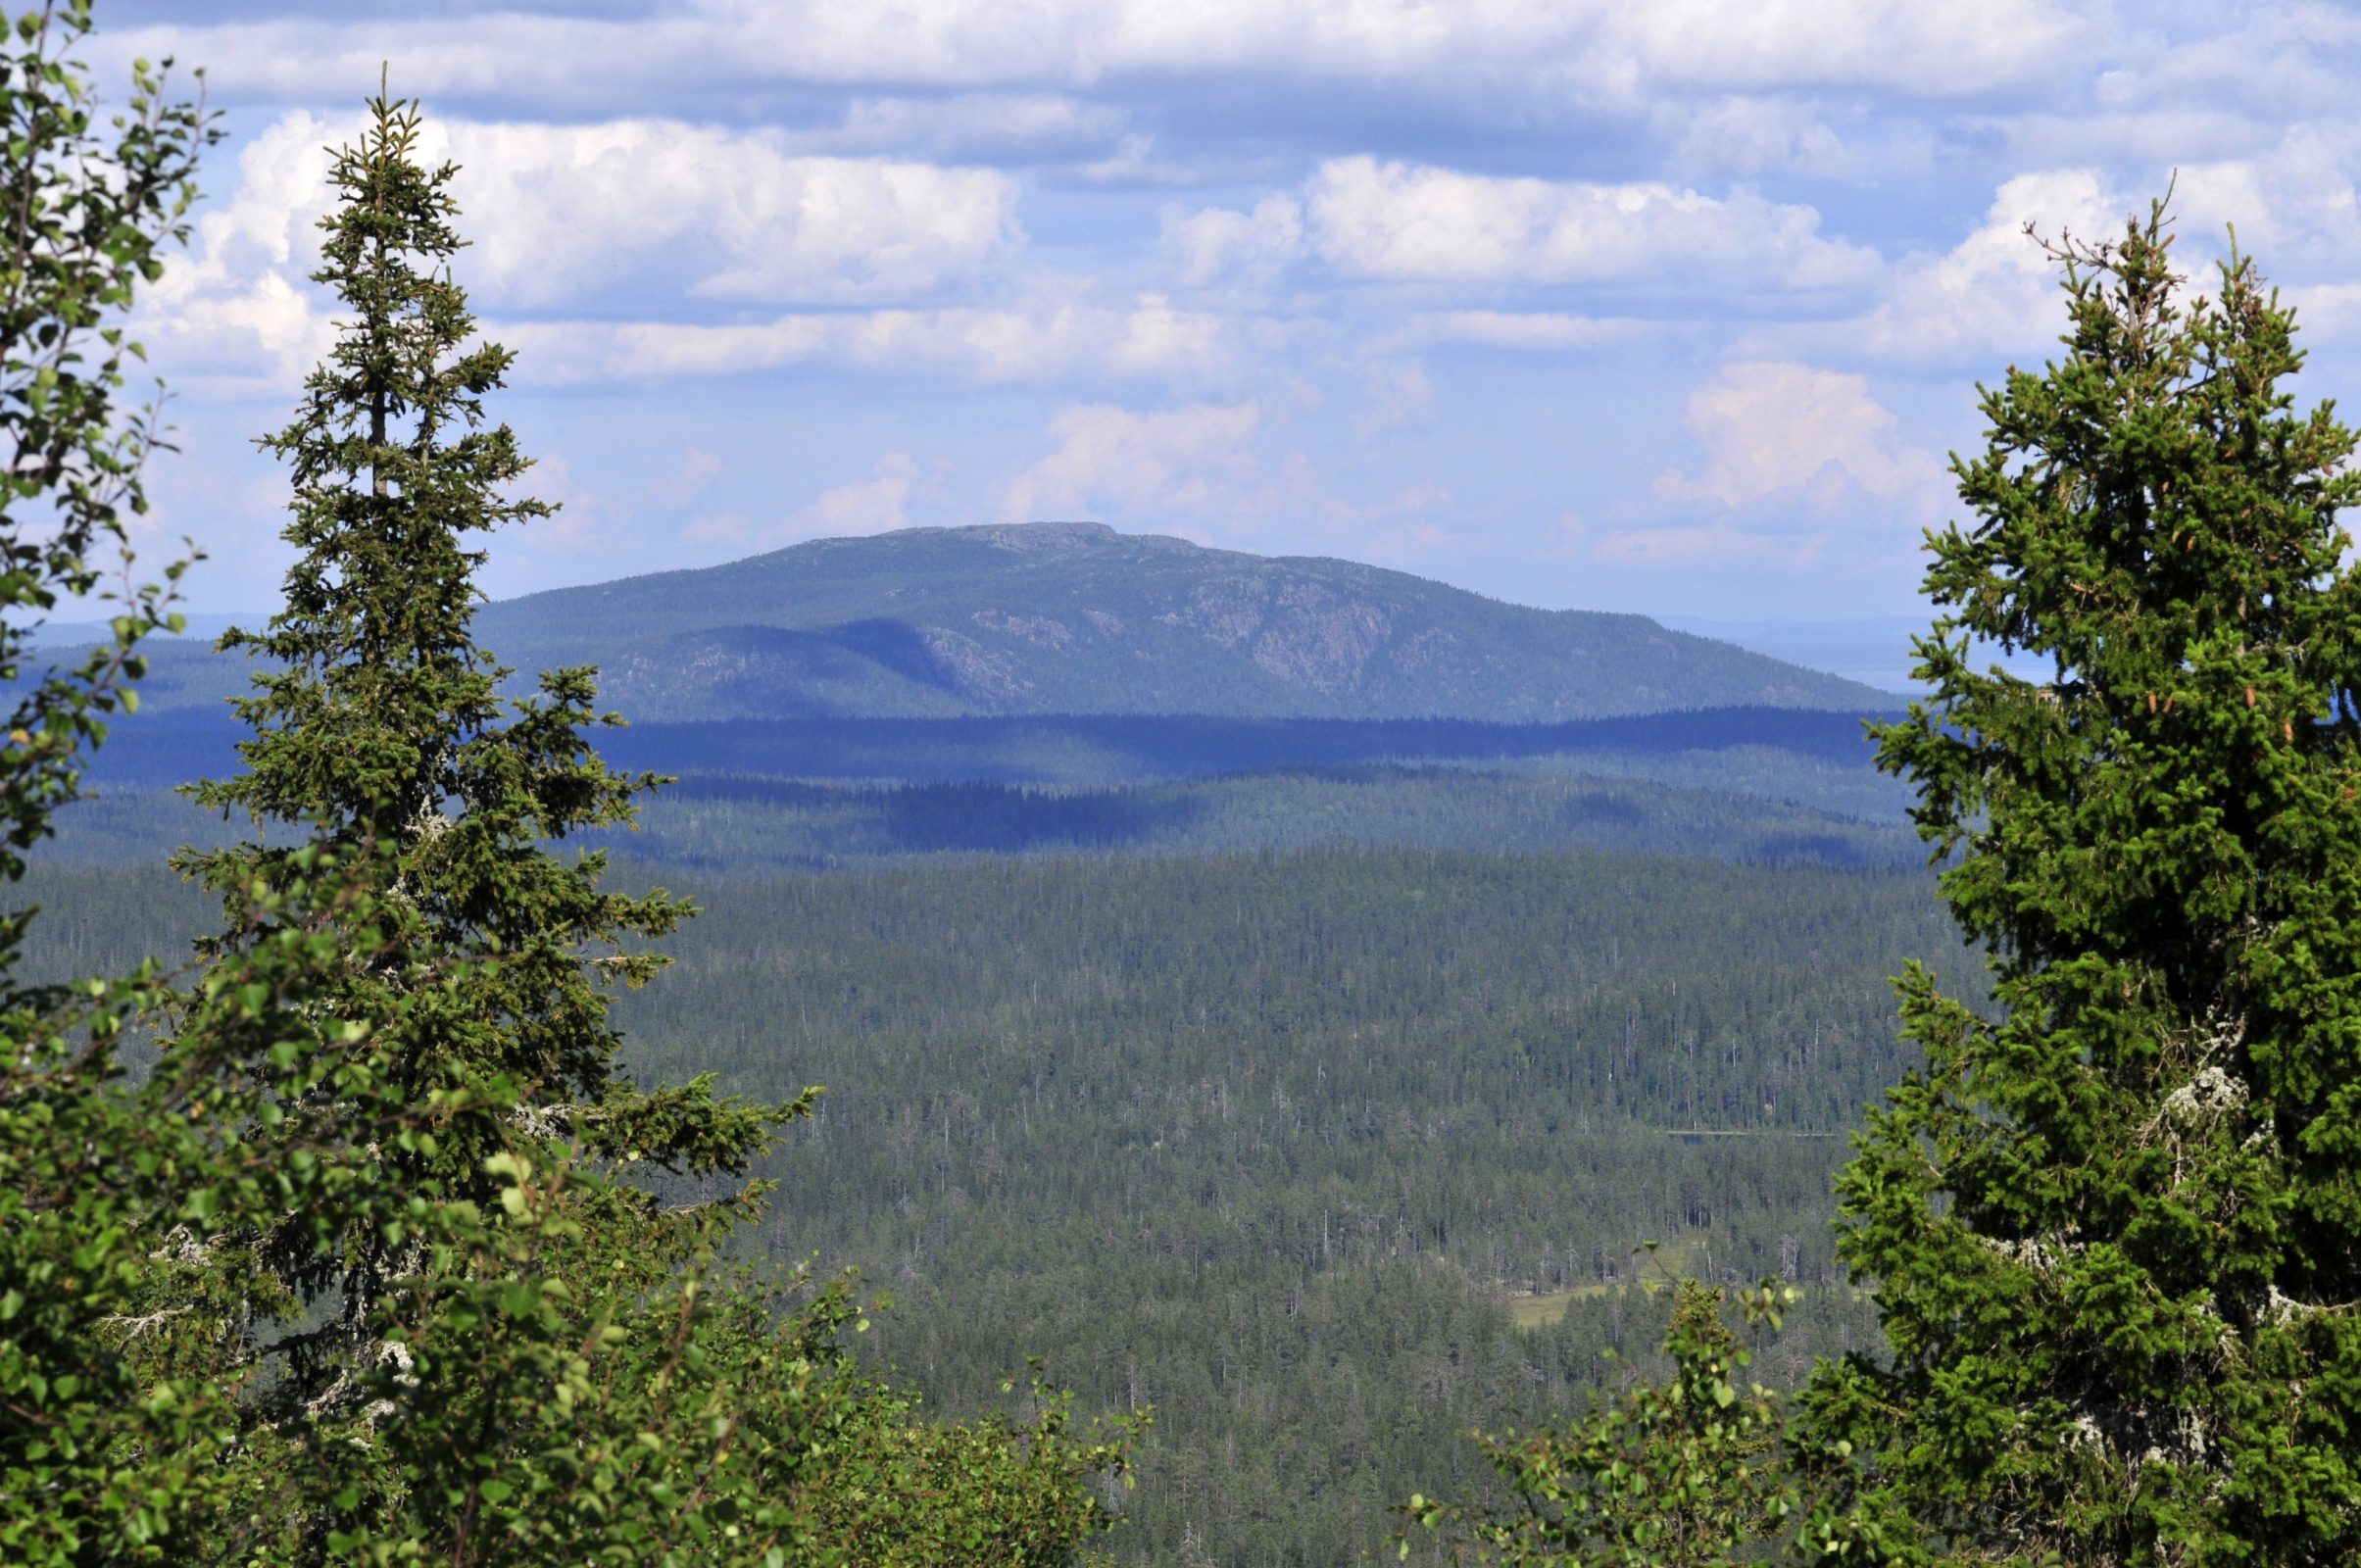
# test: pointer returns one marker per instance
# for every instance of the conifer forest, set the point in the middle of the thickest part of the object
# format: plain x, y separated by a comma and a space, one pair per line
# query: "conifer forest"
591, 1079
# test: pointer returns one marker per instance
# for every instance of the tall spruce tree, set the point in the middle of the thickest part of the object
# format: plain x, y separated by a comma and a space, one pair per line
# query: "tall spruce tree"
2115, 1228
526, 1358
381, 735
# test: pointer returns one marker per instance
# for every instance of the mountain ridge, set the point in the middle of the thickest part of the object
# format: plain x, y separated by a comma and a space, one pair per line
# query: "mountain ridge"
1072, 617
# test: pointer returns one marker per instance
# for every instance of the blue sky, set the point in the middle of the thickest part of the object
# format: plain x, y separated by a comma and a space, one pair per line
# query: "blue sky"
1661, 305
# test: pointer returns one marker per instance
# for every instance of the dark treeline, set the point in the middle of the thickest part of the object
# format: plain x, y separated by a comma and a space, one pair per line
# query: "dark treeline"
733, 825
1169, 746
1295, 1407
106, 919
1273, 1143
1671, 993
185, 731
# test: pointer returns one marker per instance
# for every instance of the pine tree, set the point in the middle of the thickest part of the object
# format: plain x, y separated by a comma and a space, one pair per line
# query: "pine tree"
2116, 1229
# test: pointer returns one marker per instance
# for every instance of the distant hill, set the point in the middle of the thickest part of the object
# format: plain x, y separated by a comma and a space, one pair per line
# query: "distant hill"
1072, 617
1044, 618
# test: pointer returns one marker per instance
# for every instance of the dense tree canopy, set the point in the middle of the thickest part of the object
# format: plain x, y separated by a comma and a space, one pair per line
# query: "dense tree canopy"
2116, 1226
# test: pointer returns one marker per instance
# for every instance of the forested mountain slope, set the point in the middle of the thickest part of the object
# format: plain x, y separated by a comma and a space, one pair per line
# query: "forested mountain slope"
1055, 618
1074, 617
1276, 1144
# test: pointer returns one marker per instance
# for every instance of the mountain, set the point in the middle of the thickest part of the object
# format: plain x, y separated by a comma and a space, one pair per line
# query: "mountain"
1073, 617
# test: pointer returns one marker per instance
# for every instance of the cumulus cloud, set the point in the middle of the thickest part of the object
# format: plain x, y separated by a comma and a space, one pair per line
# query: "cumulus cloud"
1194, 459
560, 211
2295, 206
1401, 223
1769, 426
1151, 339
606, 215
234, 308
1994, 292
1215, 242
1540, 51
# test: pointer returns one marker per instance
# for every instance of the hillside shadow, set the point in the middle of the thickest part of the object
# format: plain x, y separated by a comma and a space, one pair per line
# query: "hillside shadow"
892, 644
972, 818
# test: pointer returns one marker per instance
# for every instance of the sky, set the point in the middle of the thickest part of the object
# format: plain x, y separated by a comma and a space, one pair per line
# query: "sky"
1669, 306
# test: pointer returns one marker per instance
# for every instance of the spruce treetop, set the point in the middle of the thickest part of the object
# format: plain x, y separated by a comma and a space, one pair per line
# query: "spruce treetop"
2116, 1226
394, 469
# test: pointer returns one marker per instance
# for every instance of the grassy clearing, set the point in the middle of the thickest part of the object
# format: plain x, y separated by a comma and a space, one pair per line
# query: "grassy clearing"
1539, 1311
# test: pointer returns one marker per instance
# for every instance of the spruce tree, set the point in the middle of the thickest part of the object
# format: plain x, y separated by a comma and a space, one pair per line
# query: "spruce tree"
381, 735
555, 1374
2115, 1224
526, 1358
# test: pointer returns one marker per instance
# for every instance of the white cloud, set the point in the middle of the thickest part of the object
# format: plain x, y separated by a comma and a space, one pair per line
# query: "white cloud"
559, 212
644, 220
1769, 426
1994, 292
1544, 50
877, 504
1053, 341
1397, 221
582, 214
1216, 241
1194, 459
234, 308
1997, 294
